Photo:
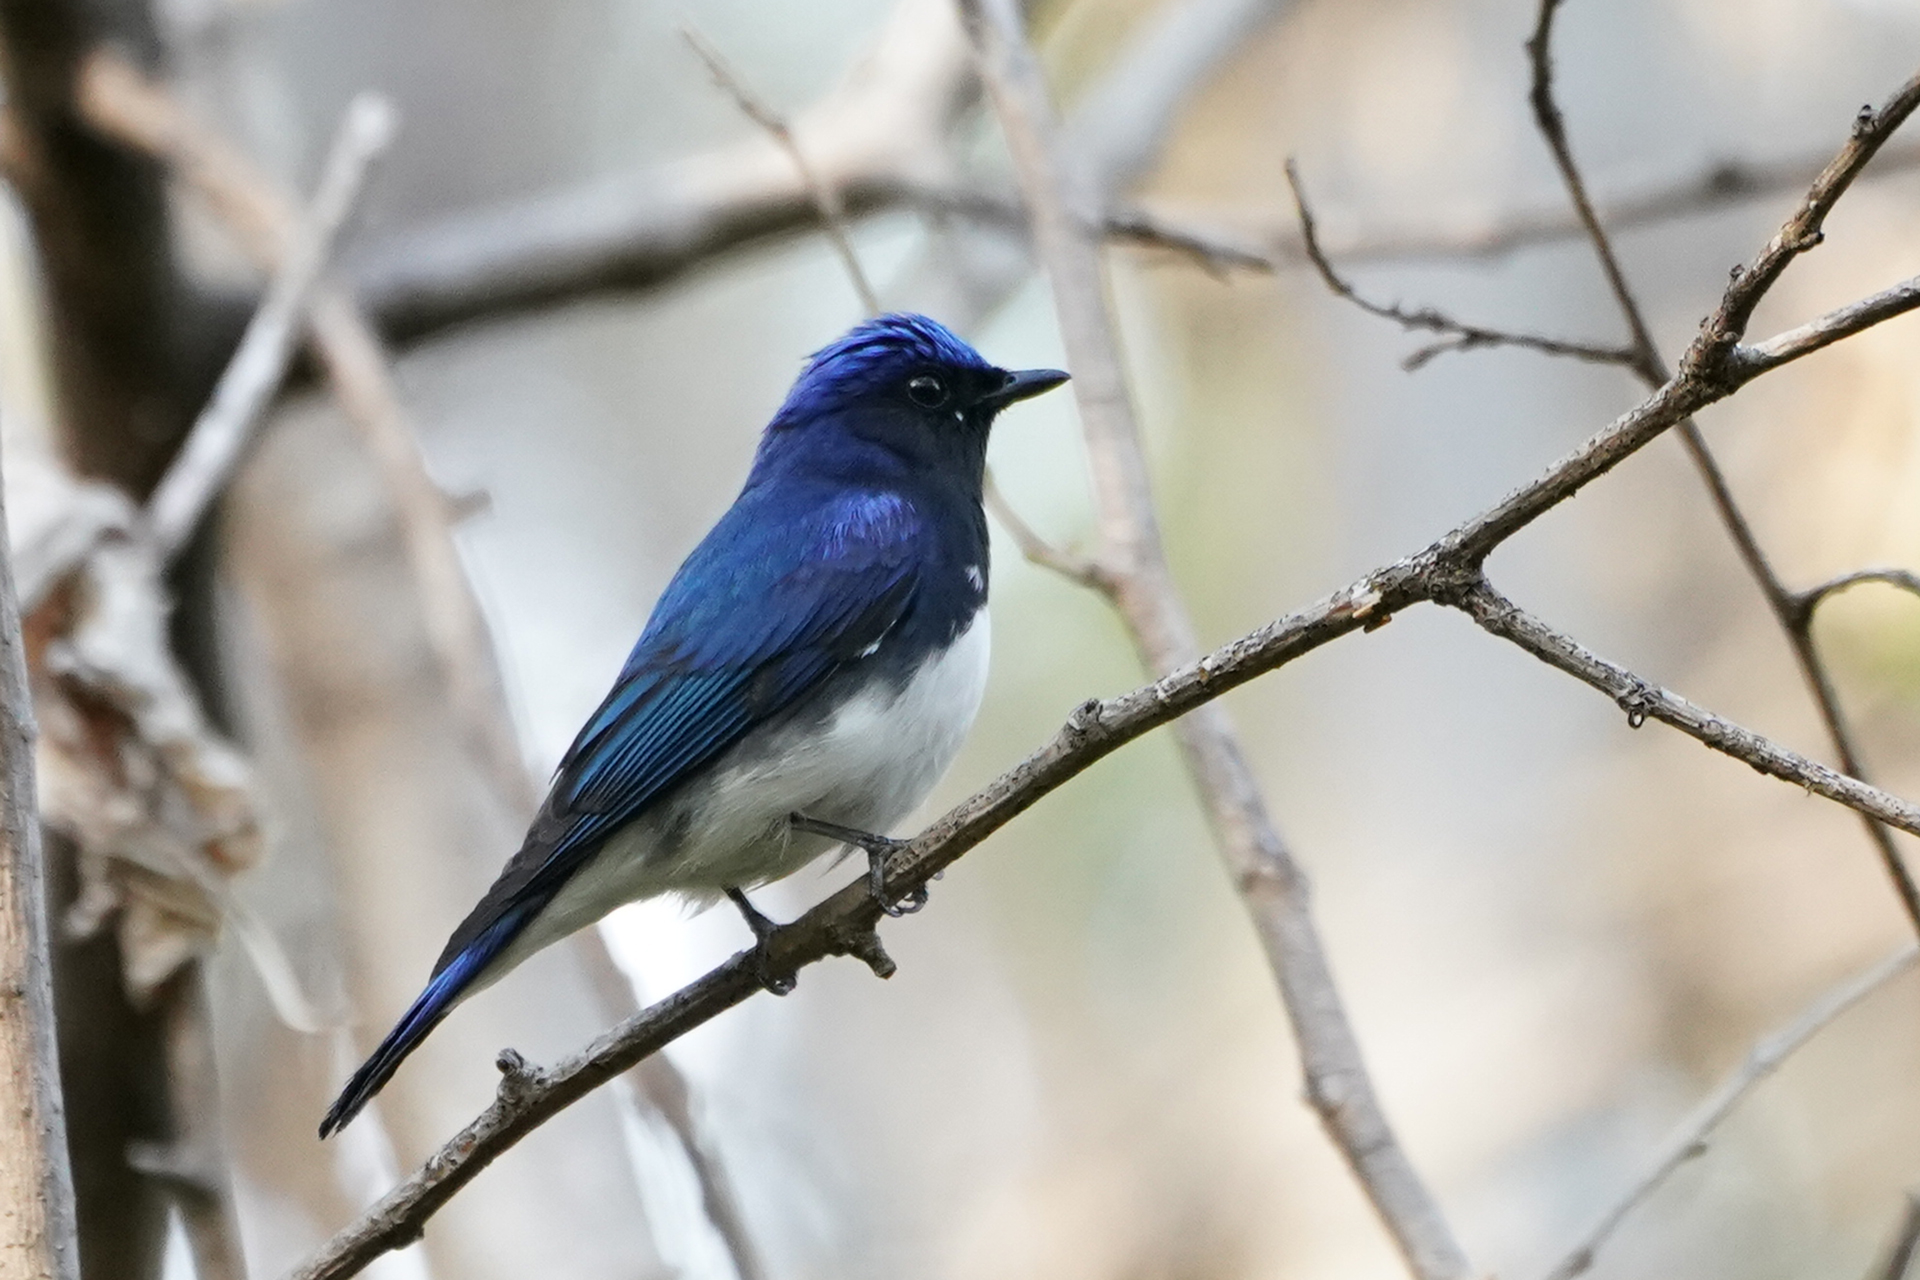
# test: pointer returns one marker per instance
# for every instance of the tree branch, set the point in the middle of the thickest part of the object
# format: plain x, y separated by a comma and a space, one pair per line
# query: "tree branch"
1720, 185
1458, 335
38, 1234
1794, 621
1272, 886
826, 199
844, 923
1446, 571
873, 139
1905, 579
1642, 701
1690, 1138
1842, 322
213, 448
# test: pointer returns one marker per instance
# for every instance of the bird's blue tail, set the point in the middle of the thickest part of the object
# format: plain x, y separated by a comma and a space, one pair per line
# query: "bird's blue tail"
433, 1004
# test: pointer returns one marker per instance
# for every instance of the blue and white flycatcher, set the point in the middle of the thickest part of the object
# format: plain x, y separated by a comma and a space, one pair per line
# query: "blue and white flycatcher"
803, 682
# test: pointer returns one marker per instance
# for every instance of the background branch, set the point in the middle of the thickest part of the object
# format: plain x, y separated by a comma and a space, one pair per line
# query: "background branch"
38, 1235
1905, 579
1271, 884
213, 447
1458, 336
826, 199
1690, 1138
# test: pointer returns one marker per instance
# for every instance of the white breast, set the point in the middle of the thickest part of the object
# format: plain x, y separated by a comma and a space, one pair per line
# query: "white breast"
868, 768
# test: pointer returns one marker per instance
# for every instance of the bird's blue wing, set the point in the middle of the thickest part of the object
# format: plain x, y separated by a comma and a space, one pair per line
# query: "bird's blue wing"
763, 611
769, 605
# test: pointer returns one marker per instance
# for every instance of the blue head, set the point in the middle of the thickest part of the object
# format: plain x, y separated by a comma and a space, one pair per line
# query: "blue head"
899, 396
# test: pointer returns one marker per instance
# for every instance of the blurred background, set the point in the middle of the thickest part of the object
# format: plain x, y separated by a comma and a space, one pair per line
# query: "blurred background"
1553, 933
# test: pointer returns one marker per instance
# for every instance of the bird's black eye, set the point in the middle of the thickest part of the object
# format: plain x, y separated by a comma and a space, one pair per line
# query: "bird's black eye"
927, 391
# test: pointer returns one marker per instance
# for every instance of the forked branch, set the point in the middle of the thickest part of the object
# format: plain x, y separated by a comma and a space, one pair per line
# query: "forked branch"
1445, 571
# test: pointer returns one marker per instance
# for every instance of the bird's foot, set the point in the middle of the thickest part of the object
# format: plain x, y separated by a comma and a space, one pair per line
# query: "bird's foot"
763, 927
878, 848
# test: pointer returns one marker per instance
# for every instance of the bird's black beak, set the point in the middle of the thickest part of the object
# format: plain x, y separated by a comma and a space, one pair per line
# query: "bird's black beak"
1023, 385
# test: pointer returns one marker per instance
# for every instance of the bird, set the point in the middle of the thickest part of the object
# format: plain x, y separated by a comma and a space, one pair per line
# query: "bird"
804, 680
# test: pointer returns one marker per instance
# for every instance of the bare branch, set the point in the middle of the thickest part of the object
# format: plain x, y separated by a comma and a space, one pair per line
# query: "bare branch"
1459, 336
1794, 621
1720, 185
1842, 322
1084, 570
833, 214
1271, 883
1690, 1138
878, 135
1546, 114
1905, 579
1447, 571
843, 924
213, 448
38, 1235
1642, 701
1804, 230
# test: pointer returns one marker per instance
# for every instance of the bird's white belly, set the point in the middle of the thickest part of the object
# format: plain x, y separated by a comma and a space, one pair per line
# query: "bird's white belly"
867, 767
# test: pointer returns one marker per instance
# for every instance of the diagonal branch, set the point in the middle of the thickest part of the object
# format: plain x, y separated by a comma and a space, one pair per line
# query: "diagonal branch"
1445, 571
1842, 322
1690, 1139
1272, 885
825, 197
1794, 621
844, 923
1642, 700
213, 448
1457, 335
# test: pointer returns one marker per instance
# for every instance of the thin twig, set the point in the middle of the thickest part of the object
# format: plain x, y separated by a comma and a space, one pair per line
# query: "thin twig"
1646, 361
1074, 567
1272, 885
1641, 700
1716, 186
1843, 322
1459, 336
1905, 579
1690, 1138
219, 436
826, 198
38, 1234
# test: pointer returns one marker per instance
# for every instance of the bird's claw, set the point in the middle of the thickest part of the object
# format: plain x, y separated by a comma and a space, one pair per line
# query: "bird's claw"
878, 849
877, 884
780, 983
